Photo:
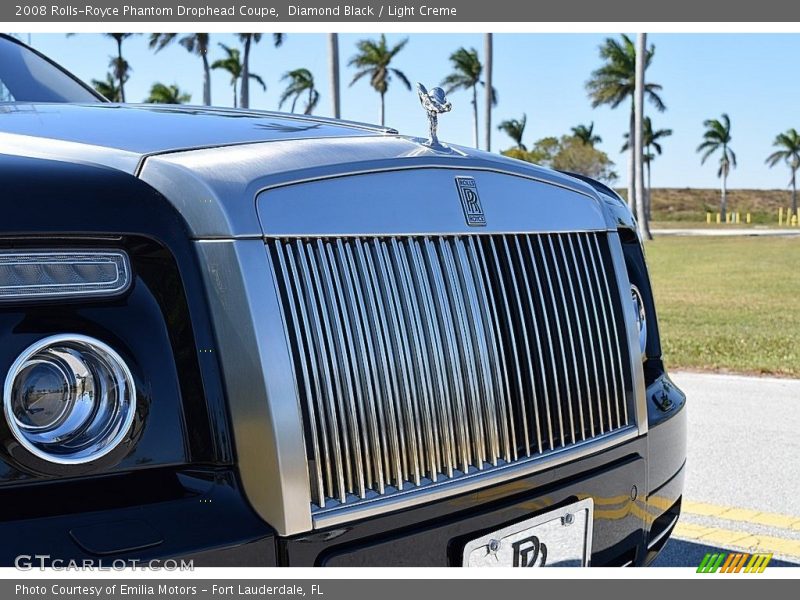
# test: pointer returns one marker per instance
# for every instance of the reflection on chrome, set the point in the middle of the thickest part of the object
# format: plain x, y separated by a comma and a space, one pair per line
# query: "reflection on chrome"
69, 399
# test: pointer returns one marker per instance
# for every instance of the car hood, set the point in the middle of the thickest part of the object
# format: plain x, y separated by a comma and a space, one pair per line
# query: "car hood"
211, 163
121, 135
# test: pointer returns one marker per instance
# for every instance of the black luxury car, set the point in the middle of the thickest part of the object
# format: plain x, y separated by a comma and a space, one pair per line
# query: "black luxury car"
251, 338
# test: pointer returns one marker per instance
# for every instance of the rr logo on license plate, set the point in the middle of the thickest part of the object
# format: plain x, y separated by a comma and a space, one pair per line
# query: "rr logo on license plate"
529, 552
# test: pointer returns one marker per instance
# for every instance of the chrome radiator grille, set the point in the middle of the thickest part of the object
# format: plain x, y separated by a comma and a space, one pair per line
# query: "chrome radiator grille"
422, 359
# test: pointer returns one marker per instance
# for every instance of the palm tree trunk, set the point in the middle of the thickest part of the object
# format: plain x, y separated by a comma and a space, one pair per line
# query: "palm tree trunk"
723, 203
383, 109
794, 193
488, 59
245, 100
648, 197
206, 81
235, 104
638, 102
333, 69
120, 71
475, 116
631, 163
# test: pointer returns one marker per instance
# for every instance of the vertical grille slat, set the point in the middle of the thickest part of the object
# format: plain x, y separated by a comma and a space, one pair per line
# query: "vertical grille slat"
526, 340
444, 423
562, 272
352, 393
407, 410
420, 368
419, 360
618, 383
445, 320
550, 399
363, 358
386, 402
520, 391
604, 418
316, 424
466, 354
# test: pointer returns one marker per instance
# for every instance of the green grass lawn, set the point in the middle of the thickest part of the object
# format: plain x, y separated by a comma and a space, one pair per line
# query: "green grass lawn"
728, 304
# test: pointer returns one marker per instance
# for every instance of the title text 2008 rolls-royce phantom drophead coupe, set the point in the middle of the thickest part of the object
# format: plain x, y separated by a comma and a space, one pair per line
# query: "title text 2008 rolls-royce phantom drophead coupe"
250, 338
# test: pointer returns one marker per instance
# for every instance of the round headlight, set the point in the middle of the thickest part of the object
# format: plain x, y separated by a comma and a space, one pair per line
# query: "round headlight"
69, 399
641, 319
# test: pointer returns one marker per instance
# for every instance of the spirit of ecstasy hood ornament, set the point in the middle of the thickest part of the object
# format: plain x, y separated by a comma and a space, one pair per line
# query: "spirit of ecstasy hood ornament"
434, 102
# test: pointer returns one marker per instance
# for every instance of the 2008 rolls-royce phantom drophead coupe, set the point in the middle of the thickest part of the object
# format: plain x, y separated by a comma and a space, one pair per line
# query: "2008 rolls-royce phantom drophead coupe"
252, 338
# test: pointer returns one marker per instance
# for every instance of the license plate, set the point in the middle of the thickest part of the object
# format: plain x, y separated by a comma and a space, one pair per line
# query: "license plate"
559, 538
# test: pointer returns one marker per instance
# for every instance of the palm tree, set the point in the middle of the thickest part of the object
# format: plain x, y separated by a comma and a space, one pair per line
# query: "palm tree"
789, 144
301, 82
333, 71
232, 63
119, 66
466, 75
195, 43
488, 53
248, 39
167, 94
107, 88
718, 137
373, 59
587, 134
515, 129
653, 148
614, 82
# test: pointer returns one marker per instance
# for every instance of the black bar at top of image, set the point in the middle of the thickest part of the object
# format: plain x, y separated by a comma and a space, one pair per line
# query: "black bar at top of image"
432, 11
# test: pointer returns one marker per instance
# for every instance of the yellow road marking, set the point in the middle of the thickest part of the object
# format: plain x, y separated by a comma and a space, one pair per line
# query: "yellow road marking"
745, 515
754, 543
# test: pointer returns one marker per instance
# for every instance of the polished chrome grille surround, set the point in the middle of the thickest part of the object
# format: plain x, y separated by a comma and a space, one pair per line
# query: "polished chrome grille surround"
420, 360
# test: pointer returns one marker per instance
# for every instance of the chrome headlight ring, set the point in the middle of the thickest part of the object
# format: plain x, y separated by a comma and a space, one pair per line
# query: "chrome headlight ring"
69, 399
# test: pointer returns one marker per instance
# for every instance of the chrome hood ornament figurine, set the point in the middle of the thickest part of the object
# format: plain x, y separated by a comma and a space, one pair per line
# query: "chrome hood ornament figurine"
435, 103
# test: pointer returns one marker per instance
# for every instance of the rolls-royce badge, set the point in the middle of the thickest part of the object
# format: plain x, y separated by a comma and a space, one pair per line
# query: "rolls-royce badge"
470, 201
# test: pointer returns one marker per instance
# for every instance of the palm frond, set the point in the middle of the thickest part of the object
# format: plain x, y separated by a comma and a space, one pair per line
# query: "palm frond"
260, 81
402, 77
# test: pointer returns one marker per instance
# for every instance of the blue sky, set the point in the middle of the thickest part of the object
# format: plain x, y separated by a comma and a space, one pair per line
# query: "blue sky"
752, 77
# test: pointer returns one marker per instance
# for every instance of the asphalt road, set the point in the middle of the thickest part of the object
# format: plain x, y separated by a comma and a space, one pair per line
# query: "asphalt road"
743, 476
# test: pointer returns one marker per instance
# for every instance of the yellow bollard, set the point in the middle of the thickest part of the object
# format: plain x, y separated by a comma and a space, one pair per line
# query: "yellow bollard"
748, 218
780, 216
708, 218
794, 220
719, 220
